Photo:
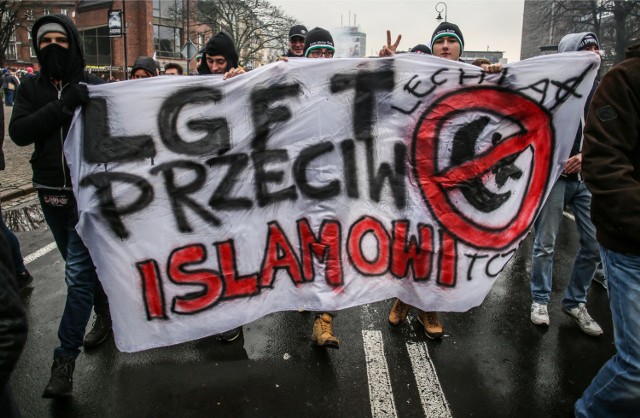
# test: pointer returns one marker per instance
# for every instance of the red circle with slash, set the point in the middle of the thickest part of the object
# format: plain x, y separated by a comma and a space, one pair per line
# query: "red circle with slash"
537, 134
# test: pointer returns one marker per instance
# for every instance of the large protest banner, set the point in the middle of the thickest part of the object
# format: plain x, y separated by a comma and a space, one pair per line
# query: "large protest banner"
315, 184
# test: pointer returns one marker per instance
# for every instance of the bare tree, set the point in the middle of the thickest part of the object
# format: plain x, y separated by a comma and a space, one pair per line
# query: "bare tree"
256, 26
8, 19
615, 22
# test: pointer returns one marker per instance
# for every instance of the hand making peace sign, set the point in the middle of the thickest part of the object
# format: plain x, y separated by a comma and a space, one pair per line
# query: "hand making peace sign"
389, 49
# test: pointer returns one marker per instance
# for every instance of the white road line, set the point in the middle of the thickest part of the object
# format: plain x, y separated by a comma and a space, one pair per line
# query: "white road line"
380, 392
432, 398
569, 215
42, 251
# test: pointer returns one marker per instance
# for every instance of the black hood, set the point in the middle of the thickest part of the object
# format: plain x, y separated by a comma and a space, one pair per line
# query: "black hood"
76, 55
220, 44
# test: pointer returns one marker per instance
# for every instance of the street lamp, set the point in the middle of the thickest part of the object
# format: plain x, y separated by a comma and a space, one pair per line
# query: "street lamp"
443, 7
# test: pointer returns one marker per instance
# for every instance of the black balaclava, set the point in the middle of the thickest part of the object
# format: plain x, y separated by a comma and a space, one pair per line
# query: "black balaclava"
220, 44
55, 61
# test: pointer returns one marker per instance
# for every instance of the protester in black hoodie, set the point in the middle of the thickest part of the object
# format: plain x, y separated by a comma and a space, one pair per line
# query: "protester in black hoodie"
41, 116
220, 57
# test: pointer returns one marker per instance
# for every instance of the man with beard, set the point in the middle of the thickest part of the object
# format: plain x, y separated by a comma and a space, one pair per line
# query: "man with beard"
42, 114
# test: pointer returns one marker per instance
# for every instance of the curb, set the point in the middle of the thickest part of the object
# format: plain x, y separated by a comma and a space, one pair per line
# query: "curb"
10, 194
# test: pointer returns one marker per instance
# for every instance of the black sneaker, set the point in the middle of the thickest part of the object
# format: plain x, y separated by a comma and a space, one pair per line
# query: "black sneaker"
230, 335
61, 381
24, 280
100, 330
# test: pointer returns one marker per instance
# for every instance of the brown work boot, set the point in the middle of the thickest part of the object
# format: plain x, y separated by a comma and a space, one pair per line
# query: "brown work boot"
323, 332
398, 313
432, 325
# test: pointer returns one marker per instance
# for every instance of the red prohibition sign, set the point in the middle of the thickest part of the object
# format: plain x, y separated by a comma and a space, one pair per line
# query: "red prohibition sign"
434, 186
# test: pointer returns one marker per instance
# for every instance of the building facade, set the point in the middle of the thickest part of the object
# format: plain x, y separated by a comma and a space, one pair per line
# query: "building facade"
156, 28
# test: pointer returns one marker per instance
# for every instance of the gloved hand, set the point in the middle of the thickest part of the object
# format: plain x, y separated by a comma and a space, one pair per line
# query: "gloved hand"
75, 95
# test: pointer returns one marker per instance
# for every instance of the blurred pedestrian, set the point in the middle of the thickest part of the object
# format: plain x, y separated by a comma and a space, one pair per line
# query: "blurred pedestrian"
173, 68
23, 277
44, 108
13, 330
611, 167
10, 84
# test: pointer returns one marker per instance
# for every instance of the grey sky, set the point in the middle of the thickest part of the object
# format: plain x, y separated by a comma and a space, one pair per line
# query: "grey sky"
496, 24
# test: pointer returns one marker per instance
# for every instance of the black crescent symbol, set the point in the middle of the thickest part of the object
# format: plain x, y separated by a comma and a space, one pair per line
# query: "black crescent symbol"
474, 190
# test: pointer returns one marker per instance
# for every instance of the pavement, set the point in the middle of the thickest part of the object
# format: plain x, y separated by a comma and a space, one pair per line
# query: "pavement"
15, 181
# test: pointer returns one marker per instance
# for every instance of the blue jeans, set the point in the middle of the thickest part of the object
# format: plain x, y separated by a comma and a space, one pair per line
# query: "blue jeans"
577, 196
615, 391
80, 276
8, 97
14, 244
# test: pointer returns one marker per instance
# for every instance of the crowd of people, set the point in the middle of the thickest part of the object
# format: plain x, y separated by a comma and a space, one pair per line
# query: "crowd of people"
605, 151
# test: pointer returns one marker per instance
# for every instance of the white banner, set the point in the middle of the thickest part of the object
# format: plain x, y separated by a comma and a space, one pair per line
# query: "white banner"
315, 184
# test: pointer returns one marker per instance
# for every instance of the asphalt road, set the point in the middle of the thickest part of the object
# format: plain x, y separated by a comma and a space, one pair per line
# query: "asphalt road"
492, 362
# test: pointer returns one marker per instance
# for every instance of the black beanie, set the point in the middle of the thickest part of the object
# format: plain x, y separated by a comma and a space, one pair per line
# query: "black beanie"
588, 40
318, 38
146, 63
421, 49
220, 44
448, 29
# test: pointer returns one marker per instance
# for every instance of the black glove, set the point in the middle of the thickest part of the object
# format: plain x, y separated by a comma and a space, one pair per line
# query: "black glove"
75, 95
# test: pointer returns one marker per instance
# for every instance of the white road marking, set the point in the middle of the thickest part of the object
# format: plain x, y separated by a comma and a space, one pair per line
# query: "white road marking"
432, 398
380, 392
569, 215
42, 251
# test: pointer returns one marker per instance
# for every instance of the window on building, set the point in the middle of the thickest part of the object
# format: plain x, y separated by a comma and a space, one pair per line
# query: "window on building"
12, 38
46, 12
166, 41
30, 14
11, 53
32, 52
97, 46
64, 12
167, 9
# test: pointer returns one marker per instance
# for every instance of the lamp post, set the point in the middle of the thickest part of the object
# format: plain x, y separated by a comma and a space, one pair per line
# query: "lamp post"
440, 7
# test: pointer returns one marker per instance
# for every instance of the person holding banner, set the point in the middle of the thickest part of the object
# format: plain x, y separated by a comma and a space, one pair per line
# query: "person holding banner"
220, 57
571, 190
446, 42
42, 115
611, 168
297, 34
319, 44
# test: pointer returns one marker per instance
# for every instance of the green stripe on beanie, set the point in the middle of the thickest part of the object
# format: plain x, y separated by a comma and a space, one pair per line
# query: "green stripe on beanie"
448, 29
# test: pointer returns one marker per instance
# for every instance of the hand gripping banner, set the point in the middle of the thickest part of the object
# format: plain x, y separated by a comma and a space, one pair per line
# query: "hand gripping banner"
316, 185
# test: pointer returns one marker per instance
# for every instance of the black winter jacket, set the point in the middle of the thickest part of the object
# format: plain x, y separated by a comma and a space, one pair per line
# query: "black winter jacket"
38, 117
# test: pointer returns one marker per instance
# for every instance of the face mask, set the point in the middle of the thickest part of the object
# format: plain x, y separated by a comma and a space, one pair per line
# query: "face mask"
54, 60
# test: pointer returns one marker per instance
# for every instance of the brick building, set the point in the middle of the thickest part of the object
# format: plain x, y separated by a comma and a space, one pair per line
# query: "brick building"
152, 27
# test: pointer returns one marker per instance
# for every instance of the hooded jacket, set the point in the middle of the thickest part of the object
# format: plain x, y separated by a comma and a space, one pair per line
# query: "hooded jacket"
147, 64
38, 117
220, 44
611, 156
571, 43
